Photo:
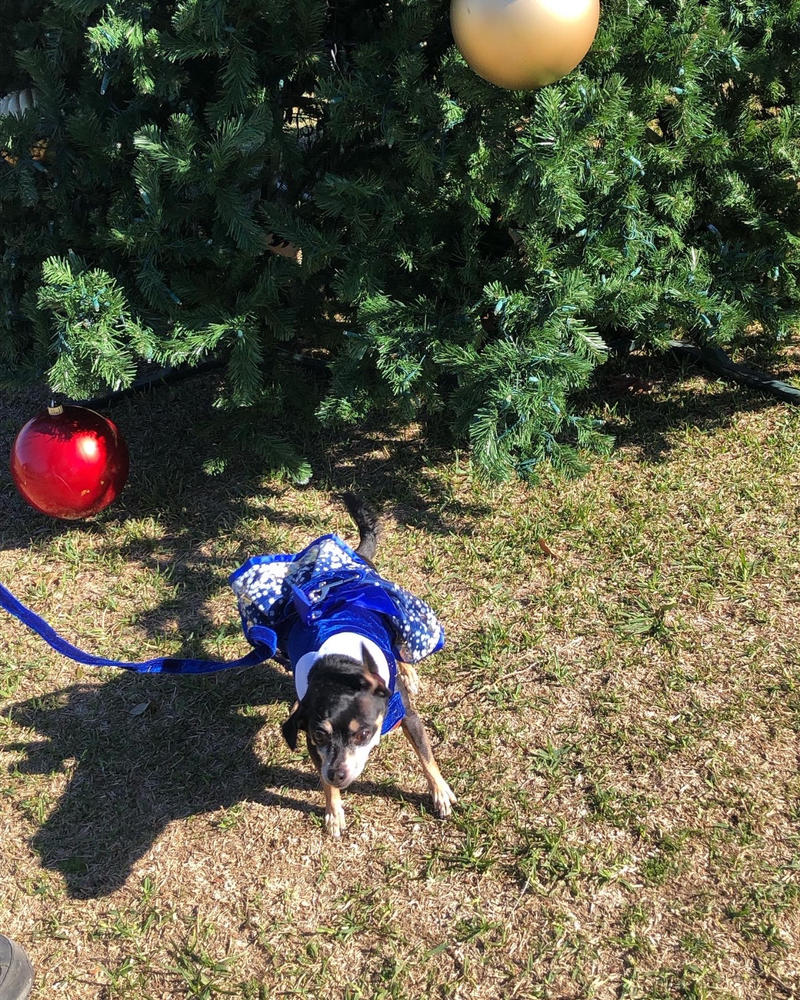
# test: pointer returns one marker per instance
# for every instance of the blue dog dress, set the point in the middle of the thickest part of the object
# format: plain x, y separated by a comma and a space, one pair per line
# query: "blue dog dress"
328, 599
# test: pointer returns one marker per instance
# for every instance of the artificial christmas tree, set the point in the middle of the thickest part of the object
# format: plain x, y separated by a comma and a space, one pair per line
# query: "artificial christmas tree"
457, 249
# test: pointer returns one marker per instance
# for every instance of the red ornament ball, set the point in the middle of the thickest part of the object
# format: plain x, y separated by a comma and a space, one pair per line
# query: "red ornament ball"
69, 461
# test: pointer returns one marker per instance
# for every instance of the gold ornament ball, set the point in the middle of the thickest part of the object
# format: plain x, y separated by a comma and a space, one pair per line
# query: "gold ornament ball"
522, 44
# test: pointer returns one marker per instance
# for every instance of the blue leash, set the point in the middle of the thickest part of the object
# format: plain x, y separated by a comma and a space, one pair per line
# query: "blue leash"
263, 640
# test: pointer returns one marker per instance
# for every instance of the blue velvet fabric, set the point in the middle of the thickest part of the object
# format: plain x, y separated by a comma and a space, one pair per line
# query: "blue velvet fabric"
327, 588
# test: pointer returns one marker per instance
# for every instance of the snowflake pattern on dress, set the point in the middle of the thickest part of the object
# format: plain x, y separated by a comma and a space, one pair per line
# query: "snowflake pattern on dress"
275, 590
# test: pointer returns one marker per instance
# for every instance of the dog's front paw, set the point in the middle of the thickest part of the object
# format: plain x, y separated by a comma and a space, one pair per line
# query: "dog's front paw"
443, 799
335, 823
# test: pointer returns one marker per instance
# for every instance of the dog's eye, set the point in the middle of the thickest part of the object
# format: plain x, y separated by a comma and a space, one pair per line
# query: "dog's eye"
362, 736
319, 737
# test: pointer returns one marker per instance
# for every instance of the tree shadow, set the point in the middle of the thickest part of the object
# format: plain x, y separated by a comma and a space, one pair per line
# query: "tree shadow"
194, 471
190, 750
146, 750
191, 468
648, 398
174, 433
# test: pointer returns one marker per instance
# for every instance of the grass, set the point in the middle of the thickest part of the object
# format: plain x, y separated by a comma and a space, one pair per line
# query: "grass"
617, 708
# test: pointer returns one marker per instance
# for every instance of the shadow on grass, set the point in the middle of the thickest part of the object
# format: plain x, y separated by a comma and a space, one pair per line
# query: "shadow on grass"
651, 397
137, 768
191, 469
173, 432
190, 750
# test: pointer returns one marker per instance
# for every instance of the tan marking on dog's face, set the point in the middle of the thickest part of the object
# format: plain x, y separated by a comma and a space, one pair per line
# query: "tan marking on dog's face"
354, 725
342, 757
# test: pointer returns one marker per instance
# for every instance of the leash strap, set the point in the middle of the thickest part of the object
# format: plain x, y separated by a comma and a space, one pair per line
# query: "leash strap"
263, 640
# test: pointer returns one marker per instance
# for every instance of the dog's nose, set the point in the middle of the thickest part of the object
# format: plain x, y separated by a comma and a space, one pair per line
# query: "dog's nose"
337, 775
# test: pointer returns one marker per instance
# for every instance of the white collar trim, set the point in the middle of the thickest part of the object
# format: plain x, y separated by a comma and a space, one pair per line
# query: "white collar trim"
345, 644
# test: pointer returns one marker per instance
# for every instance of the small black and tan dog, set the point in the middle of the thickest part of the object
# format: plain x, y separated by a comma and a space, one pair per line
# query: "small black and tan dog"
344, 706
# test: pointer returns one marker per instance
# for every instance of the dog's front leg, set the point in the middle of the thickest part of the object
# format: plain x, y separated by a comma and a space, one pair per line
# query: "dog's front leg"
441, 792
335, 822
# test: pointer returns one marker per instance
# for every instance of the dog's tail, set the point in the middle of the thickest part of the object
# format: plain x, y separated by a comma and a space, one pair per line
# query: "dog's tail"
367, 522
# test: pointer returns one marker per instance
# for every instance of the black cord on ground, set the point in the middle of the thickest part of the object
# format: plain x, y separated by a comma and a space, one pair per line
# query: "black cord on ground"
163, 376
717, 361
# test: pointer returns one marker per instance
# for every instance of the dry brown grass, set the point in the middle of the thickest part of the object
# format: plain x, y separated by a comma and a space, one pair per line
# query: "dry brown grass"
617, 709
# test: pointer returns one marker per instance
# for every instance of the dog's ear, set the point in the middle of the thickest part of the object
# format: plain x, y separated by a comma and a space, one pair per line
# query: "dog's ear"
297, 720
372, 677
369, 660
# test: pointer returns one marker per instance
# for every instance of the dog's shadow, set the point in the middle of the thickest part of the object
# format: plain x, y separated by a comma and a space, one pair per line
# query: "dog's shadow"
142, 751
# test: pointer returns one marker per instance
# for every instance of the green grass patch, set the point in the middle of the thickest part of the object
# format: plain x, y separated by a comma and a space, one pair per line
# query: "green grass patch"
617, 708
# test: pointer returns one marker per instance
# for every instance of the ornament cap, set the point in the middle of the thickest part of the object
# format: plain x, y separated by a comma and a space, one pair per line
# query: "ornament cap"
54, 408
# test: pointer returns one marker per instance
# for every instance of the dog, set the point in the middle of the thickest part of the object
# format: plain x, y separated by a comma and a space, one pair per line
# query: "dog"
340, 626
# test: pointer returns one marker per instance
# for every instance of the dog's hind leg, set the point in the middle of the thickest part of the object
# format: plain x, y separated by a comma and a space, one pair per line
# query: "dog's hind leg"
410, 682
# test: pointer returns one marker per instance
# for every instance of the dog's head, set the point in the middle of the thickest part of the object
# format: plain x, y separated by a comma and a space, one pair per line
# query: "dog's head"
341, 712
